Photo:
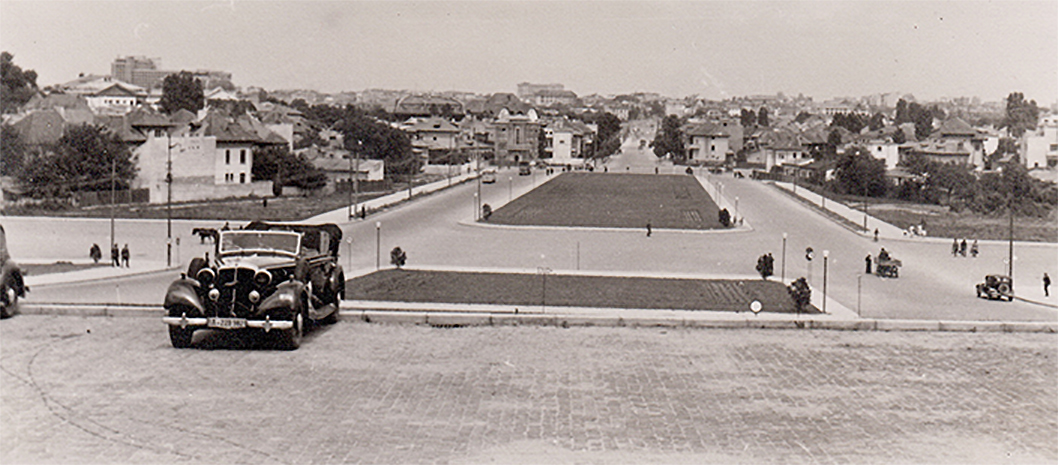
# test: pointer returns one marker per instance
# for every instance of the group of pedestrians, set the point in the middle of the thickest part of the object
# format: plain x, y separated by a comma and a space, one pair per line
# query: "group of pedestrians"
118, 258
959, 248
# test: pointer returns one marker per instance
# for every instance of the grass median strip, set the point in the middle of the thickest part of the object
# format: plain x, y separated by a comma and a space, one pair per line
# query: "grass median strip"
570, 290
614, 201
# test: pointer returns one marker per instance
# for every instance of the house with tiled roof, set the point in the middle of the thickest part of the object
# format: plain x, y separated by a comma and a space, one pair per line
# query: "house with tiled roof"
515, 136
776, 147
707, 143
954, 142
105, 94
568, 142
431, 134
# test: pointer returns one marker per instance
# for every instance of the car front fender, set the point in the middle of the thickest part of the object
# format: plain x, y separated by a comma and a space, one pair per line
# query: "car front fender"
285, 300
183, 293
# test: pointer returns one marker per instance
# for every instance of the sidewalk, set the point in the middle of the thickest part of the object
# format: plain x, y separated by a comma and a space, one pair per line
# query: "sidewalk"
341, 215
91, 274
856, 217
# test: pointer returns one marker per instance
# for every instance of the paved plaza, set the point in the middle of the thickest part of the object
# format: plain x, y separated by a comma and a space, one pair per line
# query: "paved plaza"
112, 390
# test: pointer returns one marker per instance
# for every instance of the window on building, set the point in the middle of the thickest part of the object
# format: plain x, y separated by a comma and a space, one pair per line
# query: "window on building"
227, 157
242, 157
242, 178
712, 147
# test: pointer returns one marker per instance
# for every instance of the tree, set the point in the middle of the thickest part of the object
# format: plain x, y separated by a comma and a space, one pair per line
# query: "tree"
81, 160
377, 140
762, 116
765, 266
955, 180
1020, 115
876, 122
1006, 146
902, 114
18, 85
398, 257
748, 118
276, 163
182, 91
859, 173
923, 120
800, 293
12, 151
669, 140
899, 137
608, 138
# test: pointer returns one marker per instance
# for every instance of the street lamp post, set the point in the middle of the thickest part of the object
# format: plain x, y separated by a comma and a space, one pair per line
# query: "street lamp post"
826, 257
378, 245
736, 208
477, 210
782, 276
356, 179
169, 201
113, 182
510, 188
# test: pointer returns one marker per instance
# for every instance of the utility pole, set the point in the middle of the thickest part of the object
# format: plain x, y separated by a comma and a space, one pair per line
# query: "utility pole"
113, 182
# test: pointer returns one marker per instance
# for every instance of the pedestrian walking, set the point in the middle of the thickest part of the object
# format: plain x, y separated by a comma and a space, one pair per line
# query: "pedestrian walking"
115, 255
648, 229
125, 255
973, 249
875, 236
95, 253
954, 247
867, 261
1046, 285
962, 248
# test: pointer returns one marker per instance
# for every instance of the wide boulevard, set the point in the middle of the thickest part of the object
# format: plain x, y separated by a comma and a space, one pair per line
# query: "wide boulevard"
438, 231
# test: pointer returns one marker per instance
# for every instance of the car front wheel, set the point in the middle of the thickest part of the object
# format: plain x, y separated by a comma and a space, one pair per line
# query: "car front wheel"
180, 337
290, 339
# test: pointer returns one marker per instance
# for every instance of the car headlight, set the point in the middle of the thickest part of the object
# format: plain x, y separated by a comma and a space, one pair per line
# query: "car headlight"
262, 278
206, 275
254, 296
214, 294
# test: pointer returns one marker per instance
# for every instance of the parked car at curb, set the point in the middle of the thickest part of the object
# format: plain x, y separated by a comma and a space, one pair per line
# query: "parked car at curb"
276, 279
996, 287
12, 287
488, 176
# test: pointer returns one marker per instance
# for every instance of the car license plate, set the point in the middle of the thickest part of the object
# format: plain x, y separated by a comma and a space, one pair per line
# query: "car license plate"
226, 323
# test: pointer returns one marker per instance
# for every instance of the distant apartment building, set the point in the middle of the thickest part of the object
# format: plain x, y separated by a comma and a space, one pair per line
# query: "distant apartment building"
567, 142
147, 73
104, 94
955, 142
527, 90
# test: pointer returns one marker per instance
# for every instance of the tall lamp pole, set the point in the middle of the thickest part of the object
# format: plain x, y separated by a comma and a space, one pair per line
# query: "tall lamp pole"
826, 256
378, 245
782, 277
169, 201
113, 182
1010, 247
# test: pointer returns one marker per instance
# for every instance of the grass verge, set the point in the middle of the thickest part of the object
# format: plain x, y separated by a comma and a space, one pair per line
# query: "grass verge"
572, 291
614, 201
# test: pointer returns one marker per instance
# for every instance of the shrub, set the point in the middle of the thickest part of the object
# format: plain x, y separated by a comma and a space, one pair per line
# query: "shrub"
725, 218
397, 257
486, 211
765, 265
800, 293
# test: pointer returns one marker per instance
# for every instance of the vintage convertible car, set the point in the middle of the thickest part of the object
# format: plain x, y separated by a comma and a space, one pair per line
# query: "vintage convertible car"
11, 285
274, 278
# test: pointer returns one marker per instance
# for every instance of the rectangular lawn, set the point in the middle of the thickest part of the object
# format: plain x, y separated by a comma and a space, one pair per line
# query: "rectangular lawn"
573, 291
614, 200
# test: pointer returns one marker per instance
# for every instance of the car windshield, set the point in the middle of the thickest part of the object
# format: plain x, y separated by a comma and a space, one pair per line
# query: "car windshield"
258, 241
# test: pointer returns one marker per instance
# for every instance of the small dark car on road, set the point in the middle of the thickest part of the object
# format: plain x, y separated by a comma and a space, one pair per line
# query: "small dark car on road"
11, 285
270, 278
996, 287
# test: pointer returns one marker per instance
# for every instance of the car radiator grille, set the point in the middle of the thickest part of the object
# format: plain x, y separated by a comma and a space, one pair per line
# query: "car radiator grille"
234, 285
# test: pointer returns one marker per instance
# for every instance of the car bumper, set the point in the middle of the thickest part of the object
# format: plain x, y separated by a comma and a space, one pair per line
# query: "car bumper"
266, 324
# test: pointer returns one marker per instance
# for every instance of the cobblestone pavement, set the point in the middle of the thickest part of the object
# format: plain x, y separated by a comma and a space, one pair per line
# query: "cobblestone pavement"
112, 390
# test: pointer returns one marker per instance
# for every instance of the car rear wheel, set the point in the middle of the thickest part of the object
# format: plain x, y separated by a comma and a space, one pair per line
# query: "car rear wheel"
8, 301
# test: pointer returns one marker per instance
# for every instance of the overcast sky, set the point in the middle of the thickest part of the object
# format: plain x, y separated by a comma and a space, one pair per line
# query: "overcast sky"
714, 49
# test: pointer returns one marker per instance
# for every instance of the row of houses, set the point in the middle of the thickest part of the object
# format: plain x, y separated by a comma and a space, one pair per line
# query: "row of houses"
796, 146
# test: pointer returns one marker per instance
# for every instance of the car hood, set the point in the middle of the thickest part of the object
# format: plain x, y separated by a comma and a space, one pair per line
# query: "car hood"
255, 261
